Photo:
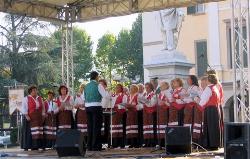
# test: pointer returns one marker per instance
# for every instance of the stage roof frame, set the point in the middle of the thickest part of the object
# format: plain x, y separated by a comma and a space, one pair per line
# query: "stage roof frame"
87, 10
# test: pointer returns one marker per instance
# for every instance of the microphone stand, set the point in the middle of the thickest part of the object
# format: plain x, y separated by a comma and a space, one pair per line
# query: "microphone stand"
157, 147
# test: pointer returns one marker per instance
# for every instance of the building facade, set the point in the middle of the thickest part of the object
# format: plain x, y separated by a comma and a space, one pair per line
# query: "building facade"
205, 40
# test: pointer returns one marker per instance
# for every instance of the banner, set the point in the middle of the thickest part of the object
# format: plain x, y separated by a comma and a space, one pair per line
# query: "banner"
15, 99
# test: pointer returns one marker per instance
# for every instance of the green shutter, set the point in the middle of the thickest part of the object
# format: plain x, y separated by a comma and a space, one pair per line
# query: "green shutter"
201, 57
191, 10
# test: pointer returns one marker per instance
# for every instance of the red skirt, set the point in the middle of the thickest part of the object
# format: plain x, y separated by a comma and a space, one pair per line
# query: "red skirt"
198, 122
50, 127
188, 114
148, 125
173, 116
162, 121
65, 119
117, 125
131, 124
81, 118
36, 124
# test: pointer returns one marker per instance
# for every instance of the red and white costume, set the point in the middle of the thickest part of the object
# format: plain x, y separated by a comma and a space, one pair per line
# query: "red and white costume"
34, 108
81, 117
176, 107
65, 117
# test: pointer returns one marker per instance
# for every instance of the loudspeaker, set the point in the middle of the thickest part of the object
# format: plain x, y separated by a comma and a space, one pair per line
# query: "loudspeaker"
70, 143
237, 142
178, 140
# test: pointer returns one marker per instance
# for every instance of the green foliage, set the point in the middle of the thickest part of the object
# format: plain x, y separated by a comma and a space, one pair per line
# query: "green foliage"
104, 50
136, 57
121, 53
25, 54
126, 59
83, 58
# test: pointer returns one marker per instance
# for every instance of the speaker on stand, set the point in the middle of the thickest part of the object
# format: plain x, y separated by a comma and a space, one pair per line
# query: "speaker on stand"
70, 142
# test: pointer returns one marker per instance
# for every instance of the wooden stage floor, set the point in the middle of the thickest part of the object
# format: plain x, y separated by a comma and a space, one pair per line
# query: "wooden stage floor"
140, 153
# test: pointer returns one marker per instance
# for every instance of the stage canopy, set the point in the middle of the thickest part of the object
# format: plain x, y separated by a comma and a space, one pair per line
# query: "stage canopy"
86, 10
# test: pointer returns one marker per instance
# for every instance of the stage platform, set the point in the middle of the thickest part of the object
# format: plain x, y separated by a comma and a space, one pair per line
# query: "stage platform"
140, 153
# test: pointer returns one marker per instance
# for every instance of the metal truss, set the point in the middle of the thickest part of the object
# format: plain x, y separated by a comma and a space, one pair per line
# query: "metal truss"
240, 51
67, 57
86, 10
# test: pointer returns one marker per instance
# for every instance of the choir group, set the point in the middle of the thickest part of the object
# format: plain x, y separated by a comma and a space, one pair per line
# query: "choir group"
139, 115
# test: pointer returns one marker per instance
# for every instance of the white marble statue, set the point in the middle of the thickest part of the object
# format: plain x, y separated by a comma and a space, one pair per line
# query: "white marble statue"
171, 21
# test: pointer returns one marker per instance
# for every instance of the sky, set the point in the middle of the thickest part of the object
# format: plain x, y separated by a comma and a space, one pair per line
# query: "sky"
112, 25
98, 28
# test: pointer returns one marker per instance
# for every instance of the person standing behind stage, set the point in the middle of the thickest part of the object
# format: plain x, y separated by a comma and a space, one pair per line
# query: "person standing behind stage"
80, 116
34, 113
176, 111
149, 117
119, 118
65, 104
51, 110
94, 92
209, 101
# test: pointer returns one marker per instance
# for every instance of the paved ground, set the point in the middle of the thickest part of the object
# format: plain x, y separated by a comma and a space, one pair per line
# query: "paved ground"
16, 153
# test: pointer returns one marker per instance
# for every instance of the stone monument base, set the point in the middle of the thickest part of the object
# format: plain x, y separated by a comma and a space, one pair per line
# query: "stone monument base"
169, 65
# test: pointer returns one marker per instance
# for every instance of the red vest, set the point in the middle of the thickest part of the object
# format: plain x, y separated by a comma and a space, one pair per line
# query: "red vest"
163, 98
59, 102
32, 104
152, 108
133, 102
177, 96
221, 93
214, 99
119, 101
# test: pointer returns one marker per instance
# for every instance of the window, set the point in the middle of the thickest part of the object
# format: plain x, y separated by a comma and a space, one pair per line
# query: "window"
237, 47
197, 9
201, 57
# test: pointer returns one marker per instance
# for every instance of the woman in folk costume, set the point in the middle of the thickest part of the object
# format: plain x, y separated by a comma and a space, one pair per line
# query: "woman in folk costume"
221, 102
141, 97
119, 118
176, 109
65, 103
81, 117
34, 114
209, 101
51, 109
149, 117
193, 92
164, 103
132, 120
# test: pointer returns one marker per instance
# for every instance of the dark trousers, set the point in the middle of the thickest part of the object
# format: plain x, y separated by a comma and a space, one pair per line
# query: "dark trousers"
94, 117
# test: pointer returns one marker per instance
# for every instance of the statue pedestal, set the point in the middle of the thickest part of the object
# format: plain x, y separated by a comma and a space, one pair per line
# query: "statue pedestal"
169, 65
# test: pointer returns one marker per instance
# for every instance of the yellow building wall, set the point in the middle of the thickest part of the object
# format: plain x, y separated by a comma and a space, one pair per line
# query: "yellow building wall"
195, 28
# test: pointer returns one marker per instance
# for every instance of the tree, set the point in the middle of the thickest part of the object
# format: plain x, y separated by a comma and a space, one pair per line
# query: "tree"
82, 53
135, 68
17, 33
121, 53
104, 50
